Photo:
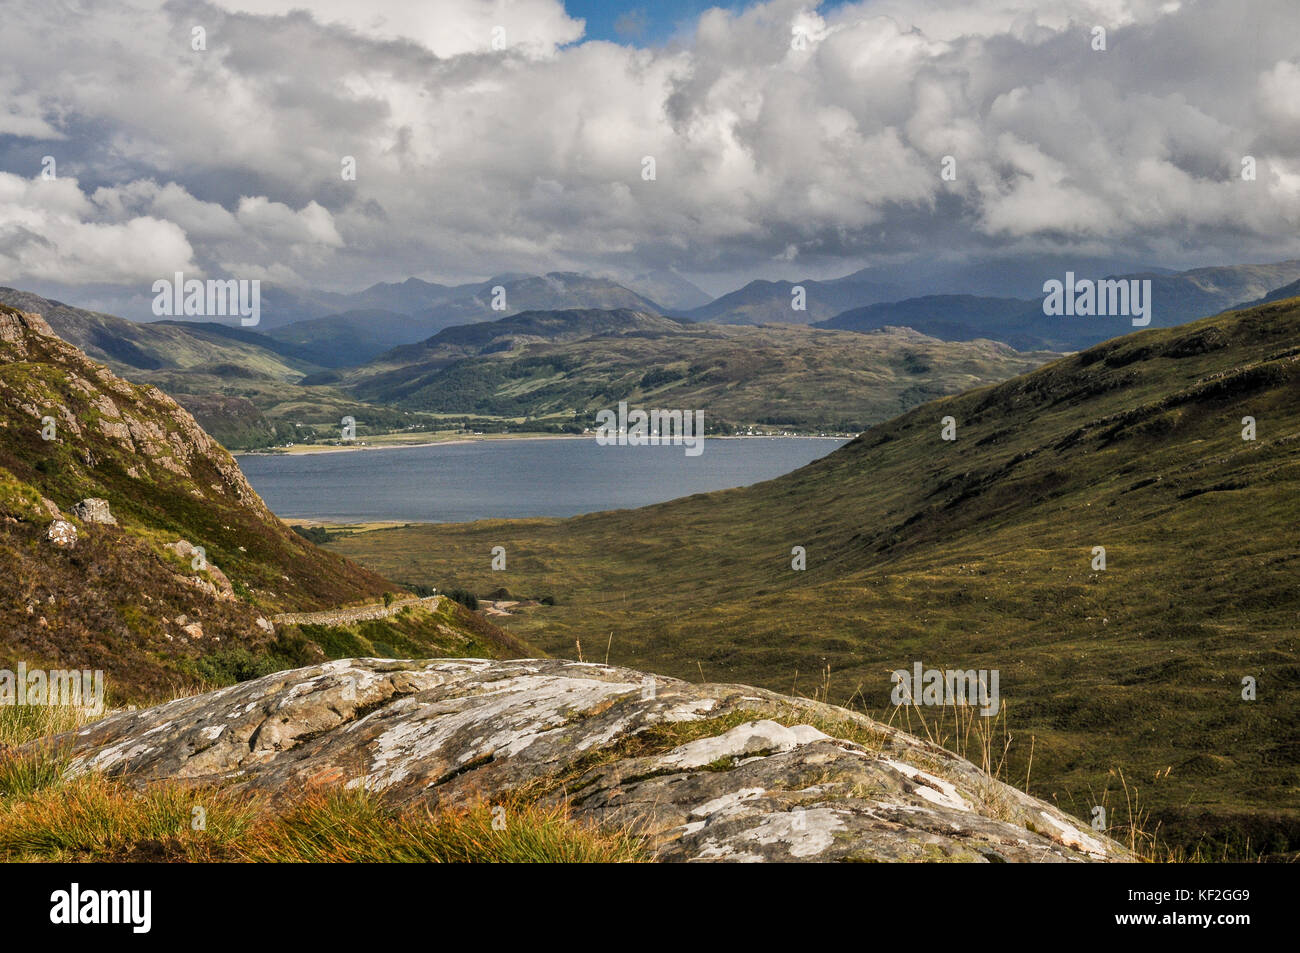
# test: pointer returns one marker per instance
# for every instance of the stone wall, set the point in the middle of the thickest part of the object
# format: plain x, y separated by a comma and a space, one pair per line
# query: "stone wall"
356, 614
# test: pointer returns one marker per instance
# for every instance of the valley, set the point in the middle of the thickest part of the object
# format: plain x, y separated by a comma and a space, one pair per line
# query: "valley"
906, 545
979, 553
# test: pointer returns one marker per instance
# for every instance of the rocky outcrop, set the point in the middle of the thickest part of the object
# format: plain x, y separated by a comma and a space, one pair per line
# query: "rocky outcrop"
217, 585
704, 772
143, 423
93, 510
76, 436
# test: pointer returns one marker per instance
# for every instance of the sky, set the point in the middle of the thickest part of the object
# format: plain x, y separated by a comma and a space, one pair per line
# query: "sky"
212, 137
640, 23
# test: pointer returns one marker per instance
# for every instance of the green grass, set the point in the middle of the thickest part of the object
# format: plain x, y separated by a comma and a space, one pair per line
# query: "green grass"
976, 554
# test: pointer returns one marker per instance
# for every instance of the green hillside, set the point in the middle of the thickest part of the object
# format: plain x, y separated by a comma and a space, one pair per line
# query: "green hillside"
977, 553
131, 596
567, 365
162, 345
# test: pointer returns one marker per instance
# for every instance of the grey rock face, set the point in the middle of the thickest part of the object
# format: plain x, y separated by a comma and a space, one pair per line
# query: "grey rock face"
93, 510
705, 772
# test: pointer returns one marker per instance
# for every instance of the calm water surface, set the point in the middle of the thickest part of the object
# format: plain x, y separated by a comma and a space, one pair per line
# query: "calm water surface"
513, 478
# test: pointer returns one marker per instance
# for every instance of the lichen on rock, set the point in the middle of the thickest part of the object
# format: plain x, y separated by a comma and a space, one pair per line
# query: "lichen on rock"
62, 534
701, 771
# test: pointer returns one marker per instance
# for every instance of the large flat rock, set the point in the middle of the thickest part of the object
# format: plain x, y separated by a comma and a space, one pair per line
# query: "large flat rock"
707, 772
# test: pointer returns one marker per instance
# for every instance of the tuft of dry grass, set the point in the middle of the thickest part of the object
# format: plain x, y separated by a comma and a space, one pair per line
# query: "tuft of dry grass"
339, 826
20, 724
47, 816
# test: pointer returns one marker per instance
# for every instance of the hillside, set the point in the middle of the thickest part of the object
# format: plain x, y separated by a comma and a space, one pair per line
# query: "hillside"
769, 302
350, 338
572, 324
566, 365
196, 347
1185, 295
669, 289
1286, 291
387, 316
246, 389
978, 553
953, 318
1176, 299
119, 585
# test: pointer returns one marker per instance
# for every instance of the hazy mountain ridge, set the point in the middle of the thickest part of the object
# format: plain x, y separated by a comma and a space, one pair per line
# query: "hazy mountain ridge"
367, 324
770, 302
1175, 299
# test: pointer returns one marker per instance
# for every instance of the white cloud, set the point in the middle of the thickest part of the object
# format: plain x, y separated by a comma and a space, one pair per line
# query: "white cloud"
48, 231
472, 161
446, 27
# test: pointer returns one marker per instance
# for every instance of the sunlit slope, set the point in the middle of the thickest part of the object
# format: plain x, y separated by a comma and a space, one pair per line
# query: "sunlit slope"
977, 552
126, 597
567, 365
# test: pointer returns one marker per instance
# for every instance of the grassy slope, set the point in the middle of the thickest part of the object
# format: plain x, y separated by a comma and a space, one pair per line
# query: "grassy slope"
976, 553
197, 347
112, 602
448, 630
241, 385
740, 375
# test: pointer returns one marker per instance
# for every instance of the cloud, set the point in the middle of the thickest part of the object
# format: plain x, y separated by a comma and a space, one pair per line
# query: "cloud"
778, 132
48, 230
447, 28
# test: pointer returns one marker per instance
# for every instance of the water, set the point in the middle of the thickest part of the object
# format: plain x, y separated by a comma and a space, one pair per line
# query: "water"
492, 479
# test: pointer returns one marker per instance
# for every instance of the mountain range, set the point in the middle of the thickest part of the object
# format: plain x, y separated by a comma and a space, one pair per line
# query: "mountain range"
1175, 299
356, 328
404, 357
251, 390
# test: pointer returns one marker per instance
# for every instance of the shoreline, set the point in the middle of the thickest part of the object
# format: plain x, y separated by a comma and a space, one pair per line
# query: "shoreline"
313, 449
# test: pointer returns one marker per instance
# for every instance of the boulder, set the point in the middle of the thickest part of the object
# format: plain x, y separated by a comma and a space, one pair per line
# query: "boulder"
182, 548
219, 587
703, 772
93, 510
62, 534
